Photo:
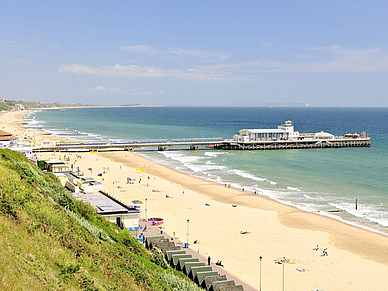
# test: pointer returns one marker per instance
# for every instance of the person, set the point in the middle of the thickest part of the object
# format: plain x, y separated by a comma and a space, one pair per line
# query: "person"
317, 248
209, 260
324, 253
283, 260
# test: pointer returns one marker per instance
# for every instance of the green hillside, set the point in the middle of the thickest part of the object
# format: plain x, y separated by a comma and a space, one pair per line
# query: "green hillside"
8, 105
50, 241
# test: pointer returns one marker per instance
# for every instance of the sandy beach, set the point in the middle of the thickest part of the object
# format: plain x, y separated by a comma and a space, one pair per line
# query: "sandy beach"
357, 259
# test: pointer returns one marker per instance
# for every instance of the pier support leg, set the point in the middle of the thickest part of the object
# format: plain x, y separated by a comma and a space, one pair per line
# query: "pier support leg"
193, 147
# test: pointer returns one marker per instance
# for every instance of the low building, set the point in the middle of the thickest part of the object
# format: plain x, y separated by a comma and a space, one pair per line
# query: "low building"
24, 149
114, 210
19, 107
90, 191
56, 166
7, 139
89, 185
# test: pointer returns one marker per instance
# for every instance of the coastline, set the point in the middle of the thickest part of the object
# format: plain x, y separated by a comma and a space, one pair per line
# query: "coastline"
276, 229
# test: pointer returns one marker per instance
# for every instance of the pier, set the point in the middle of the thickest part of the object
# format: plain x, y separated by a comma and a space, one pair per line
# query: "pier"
295, 144
222, 144
284, 137
160, 145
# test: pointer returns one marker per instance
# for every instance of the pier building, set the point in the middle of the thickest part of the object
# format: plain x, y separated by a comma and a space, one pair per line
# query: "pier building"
285, 137
283, 132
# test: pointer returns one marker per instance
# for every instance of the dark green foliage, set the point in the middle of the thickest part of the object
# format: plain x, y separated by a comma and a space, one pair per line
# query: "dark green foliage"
158, 258
41, 164
131, 243
85, 210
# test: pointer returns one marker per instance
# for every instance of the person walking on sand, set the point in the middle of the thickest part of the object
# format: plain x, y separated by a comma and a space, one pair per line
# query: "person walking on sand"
209, 260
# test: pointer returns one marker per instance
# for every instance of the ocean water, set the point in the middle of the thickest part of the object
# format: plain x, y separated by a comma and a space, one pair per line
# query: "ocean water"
326, 181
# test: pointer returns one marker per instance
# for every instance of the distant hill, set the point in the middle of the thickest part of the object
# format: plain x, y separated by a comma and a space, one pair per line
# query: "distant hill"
8, 105
49, 241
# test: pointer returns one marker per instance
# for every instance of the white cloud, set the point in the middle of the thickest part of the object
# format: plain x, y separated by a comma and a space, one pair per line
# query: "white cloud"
267, 44
10, 42
336, 58
103, 89
116, 70
204, 55
333, 58
343, 59
140, 48
133, 71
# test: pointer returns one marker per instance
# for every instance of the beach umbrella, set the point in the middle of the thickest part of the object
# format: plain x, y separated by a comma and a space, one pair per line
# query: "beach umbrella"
137, 202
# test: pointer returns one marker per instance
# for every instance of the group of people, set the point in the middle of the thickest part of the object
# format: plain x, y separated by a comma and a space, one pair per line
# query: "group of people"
324, 252
218, 263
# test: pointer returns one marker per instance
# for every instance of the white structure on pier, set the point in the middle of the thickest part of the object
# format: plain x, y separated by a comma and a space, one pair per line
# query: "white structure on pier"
283, 132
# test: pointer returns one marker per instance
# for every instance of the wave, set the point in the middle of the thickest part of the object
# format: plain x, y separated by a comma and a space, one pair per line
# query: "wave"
293, 188
215, 154
247, 175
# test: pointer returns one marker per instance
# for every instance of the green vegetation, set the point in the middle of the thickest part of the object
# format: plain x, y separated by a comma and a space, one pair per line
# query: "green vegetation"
9, 105
48, 240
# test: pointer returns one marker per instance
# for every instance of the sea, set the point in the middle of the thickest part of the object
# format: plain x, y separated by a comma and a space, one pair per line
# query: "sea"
324, 181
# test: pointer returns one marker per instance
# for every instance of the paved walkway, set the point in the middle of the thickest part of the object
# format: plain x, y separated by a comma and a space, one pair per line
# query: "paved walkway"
155, 231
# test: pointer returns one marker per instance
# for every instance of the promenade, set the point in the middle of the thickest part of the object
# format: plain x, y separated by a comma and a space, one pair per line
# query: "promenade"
196, 253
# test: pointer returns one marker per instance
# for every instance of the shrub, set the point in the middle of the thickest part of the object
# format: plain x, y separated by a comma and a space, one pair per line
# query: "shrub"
158, 258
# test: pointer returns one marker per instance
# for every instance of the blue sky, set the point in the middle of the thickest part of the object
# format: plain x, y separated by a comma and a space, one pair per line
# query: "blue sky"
196, 53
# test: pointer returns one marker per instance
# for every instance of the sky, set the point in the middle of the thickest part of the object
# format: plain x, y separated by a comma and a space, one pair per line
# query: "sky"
196, 53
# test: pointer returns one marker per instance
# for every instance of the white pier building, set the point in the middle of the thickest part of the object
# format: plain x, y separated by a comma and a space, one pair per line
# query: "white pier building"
283, 132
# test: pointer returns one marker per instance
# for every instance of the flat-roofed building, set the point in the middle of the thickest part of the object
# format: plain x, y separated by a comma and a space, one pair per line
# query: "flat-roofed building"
56, 166
283, 132
7, 139
114, 210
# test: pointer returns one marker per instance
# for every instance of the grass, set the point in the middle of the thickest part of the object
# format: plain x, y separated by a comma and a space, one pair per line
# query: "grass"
50, 241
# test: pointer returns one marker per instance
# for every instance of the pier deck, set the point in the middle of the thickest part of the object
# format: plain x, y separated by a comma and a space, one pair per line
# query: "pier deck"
224, 144
295, 144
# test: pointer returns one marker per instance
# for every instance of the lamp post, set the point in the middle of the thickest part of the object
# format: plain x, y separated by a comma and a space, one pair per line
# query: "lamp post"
260, 270
113, 188
188, 222
284, 278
